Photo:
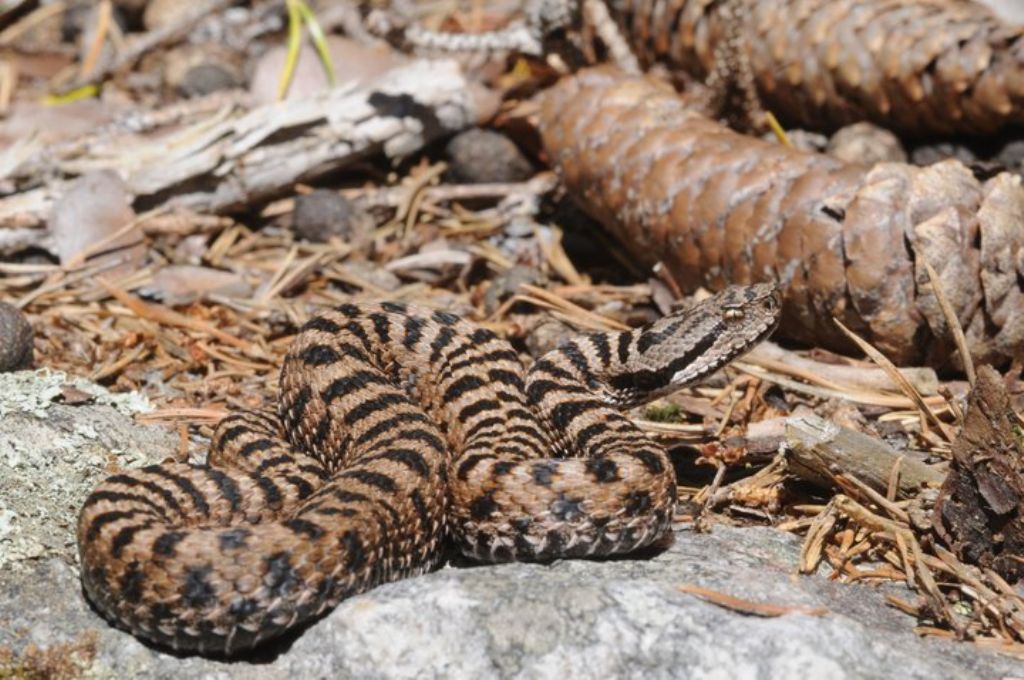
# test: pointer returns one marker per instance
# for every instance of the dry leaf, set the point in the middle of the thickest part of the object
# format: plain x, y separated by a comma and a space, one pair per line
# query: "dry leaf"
92, 221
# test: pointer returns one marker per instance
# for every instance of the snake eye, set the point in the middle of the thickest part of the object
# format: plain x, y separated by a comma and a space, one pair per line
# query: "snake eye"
733, 313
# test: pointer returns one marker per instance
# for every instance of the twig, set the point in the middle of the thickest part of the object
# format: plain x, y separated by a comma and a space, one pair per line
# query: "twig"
820, 451
894, 510
894, 479
864, 377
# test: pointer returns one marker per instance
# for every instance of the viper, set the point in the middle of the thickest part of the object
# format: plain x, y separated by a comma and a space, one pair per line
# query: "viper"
398, 430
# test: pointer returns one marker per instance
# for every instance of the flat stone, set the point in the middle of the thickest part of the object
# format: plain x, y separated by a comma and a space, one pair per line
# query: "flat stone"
578, 618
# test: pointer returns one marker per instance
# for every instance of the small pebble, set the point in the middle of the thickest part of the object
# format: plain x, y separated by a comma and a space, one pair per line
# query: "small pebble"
198, 69
866, 143
203, 79
15, 339
323, 214
481, 156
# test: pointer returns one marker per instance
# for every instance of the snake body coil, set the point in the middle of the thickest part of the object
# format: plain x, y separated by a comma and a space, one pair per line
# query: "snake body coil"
397, 429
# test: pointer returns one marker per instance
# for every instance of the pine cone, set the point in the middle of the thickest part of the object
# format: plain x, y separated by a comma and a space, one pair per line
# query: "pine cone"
917, 66
847, 241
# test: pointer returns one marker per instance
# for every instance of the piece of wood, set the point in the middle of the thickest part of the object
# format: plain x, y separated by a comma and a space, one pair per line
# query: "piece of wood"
818, 450
233, 158
864, 378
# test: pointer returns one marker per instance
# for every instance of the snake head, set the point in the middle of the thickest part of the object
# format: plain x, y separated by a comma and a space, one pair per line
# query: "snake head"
692, 343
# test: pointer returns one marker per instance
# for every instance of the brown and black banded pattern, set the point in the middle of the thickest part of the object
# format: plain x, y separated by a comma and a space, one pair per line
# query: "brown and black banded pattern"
397, 427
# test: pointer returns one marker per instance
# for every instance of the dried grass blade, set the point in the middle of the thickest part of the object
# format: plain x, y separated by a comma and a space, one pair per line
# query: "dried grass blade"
930, 587
908, 567
894, 479
271, 285
903, 605
234, 361
748, 607
869, 398
908, 389
555, 254
546, 298
34, 18
108, 370
954, 323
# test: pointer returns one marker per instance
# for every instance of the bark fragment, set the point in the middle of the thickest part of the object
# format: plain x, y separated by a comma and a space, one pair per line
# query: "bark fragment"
979, 512
233, 159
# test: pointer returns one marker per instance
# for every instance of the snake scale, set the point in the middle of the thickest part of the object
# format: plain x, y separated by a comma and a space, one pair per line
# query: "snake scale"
398, 430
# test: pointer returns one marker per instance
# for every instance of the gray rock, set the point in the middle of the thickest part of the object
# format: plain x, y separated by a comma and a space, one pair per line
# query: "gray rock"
53, 454
614, 618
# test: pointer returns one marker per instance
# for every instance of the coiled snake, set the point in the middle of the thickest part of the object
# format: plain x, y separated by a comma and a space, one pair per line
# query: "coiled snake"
397, 429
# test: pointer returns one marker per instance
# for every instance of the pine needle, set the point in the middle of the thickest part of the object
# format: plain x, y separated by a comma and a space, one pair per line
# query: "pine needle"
954, 324
907, 388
